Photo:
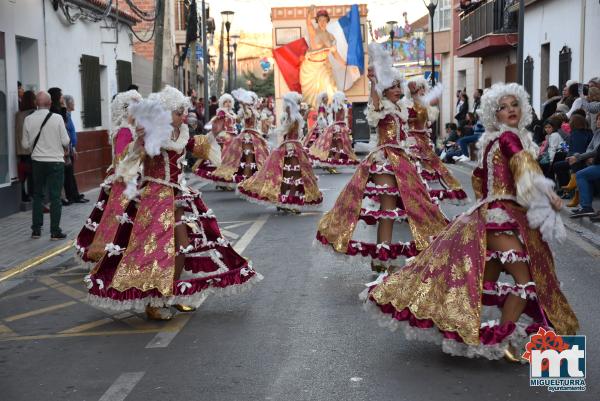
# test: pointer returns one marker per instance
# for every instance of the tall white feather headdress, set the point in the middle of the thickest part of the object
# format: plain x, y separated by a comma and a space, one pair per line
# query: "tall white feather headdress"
243, 96
339, 101
381, 61
156, 120
291, 109
321, 98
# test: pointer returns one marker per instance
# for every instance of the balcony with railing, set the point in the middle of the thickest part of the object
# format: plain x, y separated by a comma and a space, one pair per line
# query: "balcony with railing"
490, 27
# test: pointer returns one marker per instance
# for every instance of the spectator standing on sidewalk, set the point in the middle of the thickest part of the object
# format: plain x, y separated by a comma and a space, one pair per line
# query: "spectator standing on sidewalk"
213, 106
71, 189
477, 101
45, 134
462, 108
20, 93
27, 105
569, 94
549, 106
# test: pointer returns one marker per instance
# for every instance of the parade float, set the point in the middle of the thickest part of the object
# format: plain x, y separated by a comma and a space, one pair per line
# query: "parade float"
312, 69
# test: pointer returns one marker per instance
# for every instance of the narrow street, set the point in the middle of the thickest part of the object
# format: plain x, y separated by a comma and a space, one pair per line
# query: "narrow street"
300, 334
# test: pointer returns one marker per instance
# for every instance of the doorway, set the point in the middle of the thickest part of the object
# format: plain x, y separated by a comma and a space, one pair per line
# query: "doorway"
544, 71
28, 66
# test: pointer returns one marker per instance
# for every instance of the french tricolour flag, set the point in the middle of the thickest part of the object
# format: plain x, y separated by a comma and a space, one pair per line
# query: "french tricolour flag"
349, 42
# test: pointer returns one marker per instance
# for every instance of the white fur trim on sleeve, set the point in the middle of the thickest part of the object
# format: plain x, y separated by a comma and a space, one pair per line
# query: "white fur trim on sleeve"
532, 192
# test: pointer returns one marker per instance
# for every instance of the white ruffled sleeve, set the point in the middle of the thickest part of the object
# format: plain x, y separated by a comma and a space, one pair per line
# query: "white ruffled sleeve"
374, 116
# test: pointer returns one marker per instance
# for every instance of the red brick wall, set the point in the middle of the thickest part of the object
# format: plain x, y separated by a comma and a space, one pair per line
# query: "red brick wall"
93, 158
142, 28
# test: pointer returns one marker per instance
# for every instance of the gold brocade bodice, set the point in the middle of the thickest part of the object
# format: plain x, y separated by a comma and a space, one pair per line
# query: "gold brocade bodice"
390, 130
494, 179
418, 116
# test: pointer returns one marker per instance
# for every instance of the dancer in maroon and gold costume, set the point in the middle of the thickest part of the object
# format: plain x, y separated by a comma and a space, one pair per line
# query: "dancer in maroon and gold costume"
453, 293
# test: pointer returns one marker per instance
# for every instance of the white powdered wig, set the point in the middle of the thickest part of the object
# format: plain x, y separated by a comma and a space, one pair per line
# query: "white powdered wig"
322, 99
490, 102
172, 99
244, 96
381, 61
156, 120
225, 97
493, 128
119, 107
339, 101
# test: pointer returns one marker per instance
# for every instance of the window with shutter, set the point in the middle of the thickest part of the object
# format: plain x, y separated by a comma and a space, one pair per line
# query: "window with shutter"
564, 66
528, 75
90, 86
123, 75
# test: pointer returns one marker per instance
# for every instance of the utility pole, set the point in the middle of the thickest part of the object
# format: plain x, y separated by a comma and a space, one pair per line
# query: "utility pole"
205, 58
219, 78
158, 45
521, 41
193, 32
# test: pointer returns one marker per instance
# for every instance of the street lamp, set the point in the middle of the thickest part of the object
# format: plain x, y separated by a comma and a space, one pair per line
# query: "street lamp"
419, 35
392, 25
234, 40
431, 6
205, 57
227, 17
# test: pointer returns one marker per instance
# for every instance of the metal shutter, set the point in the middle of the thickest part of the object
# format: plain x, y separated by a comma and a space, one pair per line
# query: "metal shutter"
528, 75
90, 86
564, 66
123, 75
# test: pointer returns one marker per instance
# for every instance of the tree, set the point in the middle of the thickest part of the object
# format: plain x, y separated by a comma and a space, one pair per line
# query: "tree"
218, 83
263, 87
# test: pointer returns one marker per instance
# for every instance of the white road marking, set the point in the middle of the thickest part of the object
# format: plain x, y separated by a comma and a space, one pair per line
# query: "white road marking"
250, 234
586, 246
229, 234
121, 388
164, 338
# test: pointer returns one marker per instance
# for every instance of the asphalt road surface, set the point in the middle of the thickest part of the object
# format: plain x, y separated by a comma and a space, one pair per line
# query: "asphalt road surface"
300, 334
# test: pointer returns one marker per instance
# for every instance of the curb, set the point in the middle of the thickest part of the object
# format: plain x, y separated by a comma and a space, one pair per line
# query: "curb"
35, 261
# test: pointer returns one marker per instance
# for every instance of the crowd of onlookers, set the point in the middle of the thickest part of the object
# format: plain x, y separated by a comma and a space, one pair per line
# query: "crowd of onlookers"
568, 136
466, 131
46, 147
569, 139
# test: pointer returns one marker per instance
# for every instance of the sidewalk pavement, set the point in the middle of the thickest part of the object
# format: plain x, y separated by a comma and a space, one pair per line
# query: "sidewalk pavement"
17, 248
18, 251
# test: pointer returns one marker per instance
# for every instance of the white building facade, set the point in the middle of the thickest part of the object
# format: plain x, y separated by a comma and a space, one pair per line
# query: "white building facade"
90, 61
561, 41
